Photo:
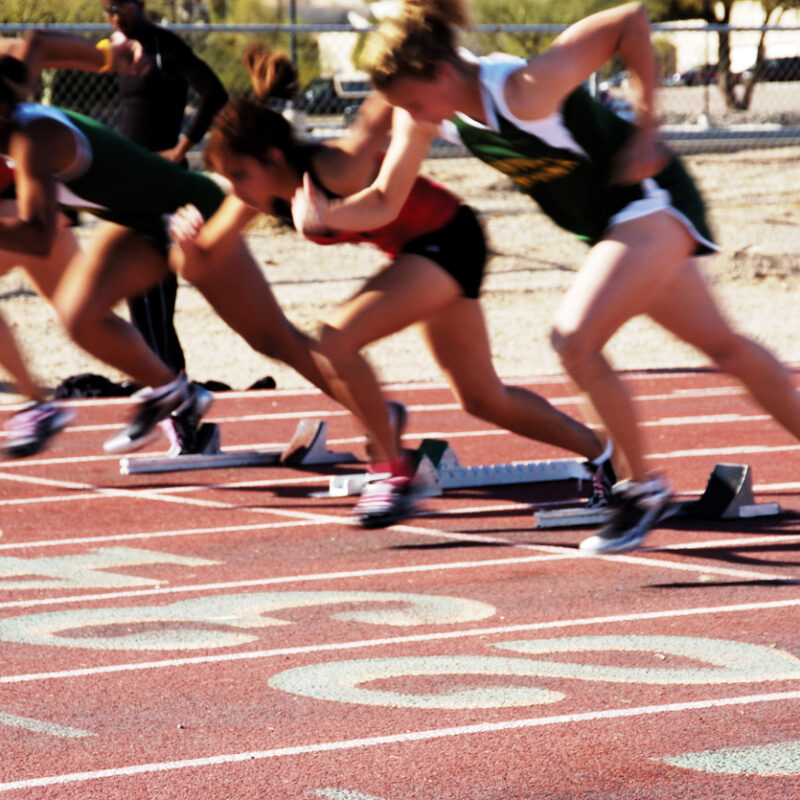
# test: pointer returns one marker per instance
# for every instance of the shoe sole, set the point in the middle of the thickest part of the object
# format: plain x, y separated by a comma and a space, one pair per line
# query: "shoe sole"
596, 545
121, 444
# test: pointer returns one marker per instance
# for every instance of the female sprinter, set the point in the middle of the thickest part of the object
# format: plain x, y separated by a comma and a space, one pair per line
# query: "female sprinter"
62, 157
437, 254
591, 173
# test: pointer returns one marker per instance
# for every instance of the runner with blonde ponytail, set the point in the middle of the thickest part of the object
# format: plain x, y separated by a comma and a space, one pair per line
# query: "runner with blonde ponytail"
610, 182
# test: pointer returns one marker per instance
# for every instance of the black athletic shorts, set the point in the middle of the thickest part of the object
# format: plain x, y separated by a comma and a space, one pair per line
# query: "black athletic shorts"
459, 248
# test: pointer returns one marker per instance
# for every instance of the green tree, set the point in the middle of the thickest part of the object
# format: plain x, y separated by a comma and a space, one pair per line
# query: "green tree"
44, 12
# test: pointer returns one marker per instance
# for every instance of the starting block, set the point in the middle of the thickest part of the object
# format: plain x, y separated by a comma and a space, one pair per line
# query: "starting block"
438, 469
307, 447
728, 495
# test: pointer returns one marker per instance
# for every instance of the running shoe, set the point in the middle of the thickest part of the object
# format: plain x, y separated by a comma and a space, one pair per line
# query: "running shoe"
155, 404
31, 429
385, 502
636, 507
182, 426
603, 480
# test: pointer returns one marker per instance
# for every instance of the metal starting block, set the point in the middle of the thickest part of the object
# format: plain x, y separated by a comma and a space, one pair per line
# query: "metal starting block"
439, 469
728, 495
307, 447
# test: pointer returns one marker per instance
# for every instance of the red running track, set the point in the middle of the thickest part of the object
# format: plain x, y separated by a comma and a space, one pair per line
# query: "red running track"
226, 634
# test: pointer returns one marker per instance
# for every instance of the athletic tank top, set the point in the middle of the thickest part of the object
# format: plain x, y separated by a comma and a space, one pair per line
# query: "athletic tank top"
563, 161
116, 179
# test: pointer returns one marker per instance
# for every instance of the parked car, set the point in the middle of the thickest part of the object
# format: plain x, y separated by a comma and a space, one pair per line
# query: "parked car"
777, 69
701, 75
337, 94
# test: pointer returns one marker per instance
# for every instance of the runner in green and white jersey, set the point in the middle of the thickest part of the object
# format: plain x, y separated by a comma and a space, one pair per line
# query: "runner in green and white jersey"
611, 183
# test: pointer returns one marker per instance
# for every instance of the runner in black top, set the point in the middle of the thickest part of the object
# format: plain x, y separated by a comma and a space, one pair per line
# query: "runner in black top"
153, 112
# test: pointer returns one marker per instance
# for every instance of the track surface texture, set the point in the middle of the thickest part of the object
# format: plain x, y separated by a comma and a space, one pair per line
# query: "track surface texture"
231, 634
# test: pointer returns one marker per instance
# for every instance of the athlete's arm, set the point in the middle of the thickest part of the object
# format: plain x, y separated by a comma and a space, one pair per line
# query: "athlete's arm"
203, 81
382, 200
537, 89
348, 164
55, 50
34, 229
203, 245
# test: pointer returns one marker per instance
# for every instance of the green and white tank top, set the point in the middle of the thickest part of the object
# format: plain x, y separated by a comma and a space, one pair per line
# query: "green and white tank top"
564, 161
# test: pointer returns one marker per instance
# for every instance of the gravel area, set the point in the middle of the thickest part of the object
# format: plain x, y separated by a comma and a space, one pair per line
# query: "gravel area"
754, 206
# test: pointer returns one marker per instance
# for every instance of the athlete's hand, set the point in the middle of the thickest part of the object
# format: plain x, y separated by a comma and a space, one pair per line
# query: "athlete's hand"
184, 226
128, 55
308, 208
642, 156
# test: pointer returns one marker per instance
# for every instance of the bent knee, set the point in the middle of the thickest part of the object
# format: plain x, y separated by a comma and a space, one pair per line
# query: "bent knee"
336, 344
571, 346
729, 351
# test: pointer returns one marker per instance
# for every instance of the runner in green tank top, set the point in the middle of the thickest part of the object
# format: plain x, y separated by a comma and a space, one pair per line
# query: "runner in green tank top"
62, 158
614, 185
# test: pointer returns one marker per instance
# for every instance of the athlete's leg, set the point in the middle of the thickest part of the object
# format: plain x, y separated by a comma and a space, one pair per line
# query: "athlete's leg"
44, 271
117, 265
240, 294
688, 309
458, 339
621, 278
409, 289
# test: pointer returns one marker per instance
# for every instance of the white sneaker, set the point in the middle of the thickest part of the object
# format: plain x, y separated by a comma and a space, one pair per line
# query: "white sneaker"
636, 508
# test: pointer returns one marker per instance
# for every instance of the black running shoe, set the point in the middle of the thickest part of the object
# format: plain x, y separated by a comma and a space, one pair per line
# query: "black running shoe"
636, 507
182, 426
31, 429
154, 405
603, 480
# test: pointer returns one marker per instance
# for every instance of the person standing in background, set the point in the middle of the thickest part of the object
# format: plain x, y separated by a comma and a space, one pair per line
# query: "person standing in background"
153, 108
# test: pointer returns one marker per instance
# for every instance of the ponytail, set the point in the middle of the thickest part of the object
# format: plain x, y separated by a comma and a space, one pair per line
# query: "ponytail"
272, 74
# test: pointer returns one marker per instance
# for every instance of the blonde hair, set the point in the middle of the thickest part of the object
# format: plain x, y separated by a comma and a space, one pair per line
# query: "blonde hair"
413, 44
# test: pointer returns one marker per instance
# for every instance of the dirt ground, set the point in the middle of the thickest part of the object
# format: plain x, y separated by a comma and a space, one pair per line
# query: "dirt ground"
754, 208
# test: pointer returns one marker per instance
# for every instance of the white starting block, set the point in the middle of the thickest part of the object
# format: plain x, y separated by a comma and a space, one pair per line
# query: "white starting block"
728, 495
307, 447
439, 469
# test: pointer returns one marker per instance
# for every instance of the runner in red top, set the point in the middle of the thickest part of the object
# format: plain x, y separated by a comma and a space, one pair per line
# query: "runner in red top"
438, 253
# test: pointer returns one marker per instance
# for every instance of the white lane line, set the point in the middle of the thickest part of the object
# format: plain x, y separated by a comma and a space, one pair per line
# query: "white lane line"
121, 537
339, 520
37, 726
400, 738
738, 450
441, 636
290, 579
736, 544
550, 552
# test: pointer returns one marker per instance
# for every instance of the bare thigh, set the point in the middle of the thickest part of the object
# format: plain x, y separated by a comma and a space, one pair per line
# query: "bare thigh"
408, 290
118, 264
687, 309
623, 276
44, 271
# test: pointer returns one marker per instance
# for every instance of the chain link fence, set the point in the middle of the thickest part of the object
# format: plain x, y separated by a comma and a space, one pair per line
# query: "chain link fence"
712, 97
